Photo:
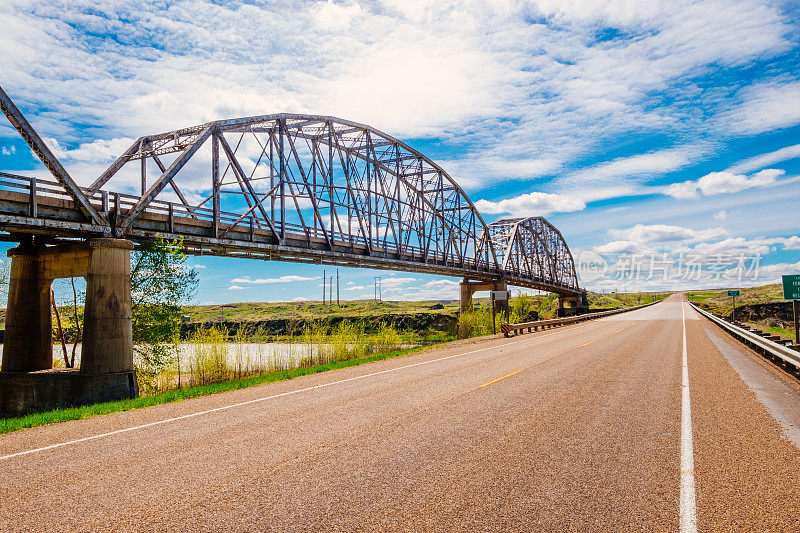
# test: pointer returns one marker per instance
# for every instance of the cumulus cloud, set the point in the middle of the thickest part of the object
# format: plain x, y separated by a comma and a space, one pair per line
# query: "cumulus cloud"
97, 151
620, 247
235, 288
531, 204
721, 183
8, 150
281, 279
658, 233
791, 243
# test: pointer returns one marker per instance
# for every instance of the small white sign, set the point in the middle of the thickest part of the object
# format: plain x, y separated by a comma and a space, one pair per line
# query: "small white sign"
501, 295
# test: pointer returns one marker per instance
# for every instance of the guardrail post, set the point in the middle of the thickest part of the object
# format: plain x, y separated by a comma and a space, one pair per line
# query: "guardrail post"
104, 201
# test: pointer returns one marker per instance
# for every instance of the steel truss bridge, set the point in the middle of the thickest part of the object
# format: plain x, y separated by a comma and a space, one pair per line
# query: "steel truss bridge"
287, 187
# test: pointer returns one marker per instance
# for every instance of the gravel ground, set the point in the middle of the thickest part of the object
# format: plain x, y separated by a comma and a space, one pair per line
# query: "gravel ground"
584, 436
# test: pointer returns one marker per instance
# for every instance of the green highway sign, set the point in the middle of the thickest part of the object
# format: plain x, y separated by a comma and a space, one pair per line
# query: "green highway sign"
791, 287
733, 293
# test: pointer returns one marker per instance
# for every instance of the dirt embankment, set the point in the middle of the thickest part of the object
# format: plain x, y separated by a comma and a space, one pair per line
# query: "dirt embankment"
416, 322
778, 314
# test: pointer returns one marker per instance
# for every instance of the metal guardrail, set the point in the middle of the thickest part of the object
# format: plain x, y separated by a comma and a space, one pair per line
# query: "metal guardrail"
769, 347
520, 328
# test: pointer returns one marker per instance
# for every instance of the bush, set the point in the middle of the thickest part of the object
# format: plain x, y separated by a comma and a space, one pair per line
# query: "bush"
475, 323
209, 360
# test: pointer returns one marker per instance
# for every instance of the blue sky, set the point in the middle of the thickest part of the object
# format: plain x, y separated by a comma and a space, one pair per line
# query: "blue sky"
638, 128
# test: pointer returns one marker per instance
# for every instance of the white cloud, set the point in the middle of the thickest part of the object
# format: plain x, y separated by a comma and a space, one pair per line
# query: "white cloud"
764, 107
235, 288
764, 160
721, 183
299, 299
8, 150
721, 214
281, 279
531, 204
623, 170
658, 233
394, 282
731, 247
790, 243
97, 151
620, 247
549, 93
441, 283
355, 288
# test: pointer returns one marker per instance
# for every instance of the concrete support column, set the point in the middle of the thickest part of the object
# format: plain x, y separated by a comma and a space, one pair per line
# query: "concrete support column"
28, 342
467, 291
108, 337
469, 288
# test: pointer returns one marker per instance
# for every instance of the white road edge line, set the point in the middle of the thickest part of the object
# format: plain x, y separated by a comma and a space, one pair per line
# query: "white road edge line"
688, 511
265, 398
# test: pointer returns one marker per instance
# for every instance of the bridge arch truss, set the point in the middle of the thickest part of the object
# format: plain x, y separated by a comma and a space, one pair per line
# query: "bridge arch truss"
305, 188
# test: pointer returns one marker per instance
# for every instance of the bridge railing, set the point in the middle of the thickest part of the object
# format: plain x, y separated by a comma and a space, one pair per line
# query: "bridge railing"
166, 215
24, 197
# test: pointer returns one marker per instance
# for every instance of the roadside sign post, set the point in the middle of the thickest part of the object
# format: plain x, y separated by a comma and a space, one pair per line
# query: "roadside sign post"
733, 294
791, 291
499, 296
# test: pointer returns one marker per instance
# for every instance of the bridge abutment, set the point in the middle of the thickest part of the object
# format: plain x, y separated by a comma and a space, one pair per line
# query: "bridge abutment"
28, 383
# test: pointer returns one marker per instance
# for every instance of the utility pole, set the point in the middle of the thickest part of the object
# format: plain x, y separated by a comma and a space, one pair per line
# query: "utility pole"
330, 290
337, 288
324, 278
378, 295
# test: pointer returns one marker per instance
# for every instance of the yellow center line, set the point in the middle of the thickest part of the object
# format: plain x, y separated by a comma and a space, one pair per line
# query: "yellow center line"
626, 327
587, 344
498, 379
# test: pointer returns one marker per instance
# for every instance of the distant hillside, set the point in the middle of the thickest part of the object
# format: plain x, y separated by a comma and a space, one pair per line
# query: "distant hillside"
718, 302
287, 316
763, 307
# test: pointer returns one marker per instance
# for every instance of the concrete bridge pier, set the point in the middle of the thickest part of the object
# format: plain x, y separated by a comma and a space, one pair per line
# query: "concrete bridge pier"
469, 288
570, 305
28, 383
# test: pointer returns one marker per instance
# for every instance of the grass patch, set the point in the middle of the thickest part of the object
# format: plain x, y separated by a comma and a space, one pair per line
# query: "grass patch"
783, 332
718, 302
77, 413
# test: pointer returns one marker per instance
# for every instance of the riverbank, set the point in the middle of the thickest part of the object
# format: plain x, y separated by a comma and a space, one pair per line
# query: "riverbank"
176, 395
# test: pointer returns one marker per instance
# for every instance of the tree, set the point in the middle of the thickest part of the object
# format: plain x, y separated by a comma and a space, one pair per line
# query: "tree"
160, 282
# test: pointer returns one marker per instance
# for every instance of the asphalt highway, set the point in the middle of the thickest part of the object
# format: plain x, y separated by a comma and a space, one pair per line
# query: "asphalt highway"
588, 427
